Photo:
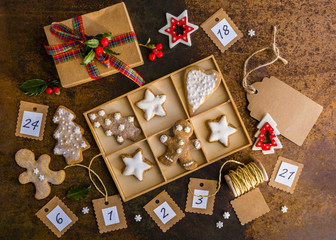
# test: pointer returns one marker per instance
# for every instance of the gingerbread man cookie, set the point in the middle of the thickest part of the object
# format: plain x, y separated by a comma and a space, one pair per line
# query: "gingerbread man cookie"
38, 172
114, 124
180, 146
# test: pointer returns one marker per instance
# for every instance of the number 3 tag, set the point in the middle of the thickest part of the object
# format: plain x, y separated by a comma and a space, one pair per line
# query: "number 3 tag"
285, 174
57, 216
164, 211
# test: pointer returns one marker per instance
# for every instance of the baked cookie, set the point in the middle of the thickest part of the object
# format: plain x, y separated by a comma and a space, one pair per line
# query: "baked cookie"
69, 136
199, 86
136, 164
38, 172
180, 146
114, 124
152, 105
221, 130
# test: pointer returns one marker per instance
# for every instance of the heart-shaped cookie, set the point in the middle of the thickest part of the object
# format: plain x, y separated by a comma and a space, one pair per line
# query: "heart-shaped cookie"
199, 86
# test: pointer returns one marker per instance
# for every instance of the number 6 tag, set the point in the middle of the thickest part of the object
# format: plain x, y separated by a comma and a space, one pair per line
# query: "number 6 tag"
164, 211
57, 216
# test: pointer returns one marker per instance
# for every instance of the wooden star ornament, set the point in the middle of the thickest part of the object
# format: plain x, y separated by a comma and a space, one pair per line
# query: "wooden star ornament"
178, 29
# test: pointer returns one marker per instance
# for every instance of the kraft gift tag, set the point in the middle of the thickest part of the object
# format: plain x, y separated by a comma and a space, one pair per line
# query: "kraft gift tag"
294, 113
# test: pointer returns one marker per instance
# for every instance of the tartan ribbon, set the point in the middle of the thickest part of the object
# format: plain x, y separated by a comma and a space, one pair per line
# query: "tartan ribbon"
73, 49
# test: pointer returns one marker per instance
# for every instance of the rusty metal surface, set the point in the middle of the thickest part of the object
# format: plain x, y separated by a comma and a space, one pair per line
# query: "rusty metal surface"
306, 38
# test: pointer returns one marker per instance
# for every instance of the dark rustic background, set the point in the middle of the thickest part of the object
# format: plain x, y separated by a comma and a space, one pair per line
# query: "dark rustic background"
306, 38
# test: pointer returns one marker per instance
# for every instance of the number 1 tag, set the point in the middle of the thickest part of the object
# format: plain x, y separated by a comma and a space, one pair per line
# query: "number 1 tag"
285, 174
57, 216
201, 187
164, 211
110, 215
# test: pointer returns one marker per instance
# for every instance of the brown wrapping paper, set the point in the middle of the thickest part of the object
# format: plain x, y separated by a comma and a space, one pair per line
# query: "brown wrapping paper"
113, 19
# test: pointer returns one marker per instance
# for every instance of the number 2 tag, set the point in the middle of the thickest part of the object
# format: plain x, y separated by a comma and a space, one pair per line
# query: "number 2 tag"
285, 174
164, 211
57, 216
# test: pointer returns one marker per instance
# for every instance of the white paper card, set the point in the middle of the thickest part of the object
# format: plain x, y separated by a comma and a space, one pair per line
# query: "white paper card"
286, 174
110, 215
59, 218
164, 212
31, 123
224, 32
199, 202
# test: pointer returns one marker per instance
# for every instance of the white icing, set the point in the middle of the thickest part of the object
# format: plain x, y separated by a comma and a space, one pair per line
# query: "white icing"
179, 127
55, 119
121, 127
168, 158
181, 142
35, 171
220, 131
130, 119
197, 144
93, 116
179, 150
77, 130
188, 164
70, 116
187, 129
199, 86
152, 105
163, 138
108, 122
83, 144
117, 116
96, 124
101, 113
120, 139
41, 177
57, 135
108, 133
136, 166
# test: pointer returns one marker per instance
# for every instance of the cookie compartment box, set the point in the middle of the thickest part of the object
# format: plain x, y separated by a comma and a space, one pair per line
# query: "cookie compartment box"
172, 85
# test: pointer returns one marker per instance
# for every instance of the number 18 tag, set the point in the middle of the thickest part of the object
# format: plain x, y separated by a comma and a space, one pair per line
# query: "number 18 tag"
57, 216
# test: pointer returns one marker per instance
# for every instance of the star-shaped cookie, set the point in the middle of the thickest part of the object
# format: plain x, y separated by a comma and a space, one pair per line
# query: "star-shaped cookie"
221, 130
136, 164
152, 105
178, 29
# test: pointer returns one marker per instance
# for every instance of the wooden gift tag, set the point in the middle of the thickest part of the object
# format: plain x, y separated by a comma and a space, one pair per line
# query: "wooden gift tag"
294, 113
250, 206
201, 187
110, 216
286, 174
164, 211
57, 216
222, 31
31, 120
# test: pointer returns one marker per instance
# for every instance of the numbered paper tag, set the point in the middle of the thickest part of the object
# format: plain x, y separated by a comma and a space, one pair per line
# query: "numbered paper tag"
164, 211
31, 120
285, 174
201, 187
110, 215
57, 216
222, 31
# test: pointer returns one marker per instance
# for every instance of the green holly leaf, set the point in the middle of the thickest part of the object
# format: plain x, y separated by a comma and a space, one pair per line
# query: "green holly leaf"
148, 41
100, 36
109, 51
77, 192
92, 43
56, 83
34, 87
89, 57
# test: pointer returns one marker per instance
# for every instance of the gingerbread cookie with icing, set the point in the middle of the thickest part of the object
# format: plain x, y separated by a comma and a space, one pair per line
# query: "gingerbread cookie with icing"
221, 130
152, 105
180, 146
114, 124
69, 136
199, 86
38, 172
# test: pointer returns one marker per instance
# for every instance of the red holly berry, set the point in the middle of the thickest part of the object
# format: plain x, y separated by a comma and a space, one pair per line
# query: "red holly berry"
158, 46
159, 54
104, 41
48, 90
99, 50
56, 90
151, 56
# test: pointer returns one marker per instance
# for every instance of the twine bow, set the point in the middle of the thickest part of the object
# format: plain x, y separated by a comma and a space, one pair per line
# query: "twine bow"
73, 48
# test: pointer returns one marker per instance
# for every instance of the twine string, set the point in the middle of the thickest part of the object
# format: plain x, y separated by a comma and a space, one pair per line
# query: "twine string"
105, 193
249, 88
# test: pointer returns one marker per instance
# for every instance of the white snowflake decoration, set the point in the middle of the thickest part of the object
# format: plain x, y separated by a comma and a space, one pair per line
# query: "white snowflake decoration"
251, 32
85, 210
138, 218
219, 224
284, 209
226, 215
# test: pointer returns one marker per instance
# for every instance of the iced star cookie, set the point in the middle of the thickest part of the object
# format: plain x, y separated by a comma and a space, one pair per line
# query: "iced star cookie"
136, 164
152, 105
38, 172
114, 124
199, 86
221, 130
69, 136
180, 146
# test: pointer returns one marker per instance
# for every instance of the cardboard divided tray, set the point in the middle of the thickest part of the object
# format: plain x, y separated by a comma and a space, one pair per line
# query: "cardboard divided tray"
172, 85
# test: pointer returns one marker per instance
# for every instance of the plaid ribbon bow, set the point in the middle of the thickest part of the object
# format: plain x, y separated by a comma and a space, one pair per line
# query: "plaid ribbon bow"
73, 48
